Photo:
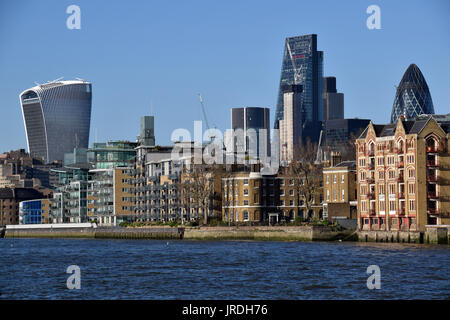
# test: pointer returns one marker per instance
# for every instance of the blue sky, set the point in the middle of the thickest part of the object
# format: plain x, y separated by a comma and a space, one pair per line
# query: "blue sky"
164, 53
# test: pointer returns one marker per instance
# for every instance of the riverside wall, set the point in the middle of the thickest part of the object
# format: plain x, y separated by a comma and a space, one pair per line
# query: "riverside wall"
432, 235
295, 233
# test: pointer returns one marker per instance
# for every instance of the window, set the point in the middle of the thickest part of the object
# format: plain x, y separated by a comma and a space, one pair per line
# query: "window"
381, 175
391, 174
245, 182
343, 178
381, 189
412, 205
328, 179
382, 205
335, 195
282, 192
291, 192
410, 158
334, 179
246, 215
363, 206
362, 162
328, 195
343, 195
245, 202
363, 189
392, 189
245, 192
391, 160
282, 182
392, 205
411, 188
380, 161
411, 173
362, 175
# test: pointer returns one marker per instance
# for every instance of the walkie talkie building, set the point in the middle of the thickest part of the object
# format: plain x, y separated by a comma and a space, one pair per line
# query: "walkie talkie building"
57, 117
413, 97
303, 65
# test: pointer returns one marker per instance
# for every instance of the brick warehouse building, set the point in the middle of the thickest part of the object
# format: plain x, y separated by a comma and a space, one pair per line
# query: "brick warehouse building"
403, 172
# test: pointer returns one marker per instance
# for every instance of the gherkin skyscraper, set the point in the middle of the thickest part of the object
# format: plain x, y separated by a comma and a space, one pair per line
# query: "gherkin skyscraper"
413, 97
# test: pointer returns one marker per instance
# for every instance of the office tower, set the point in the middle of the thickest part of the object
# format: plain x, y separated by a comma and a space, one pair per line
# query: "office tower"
413, 97
333, 102
57, 118
247, 124
340, 134
291, 124
147, 133
303, 65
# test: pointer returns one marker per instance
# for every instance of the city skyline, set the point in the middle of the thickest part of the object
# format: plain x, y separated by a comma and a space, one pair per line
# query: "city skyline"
129, 82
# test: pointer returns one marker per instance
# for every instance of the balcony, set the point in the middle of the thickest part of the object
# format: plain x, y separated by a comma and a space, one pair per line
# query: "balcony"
401, 212
400, 164
432, 178
401, 195
432, 149
400, 178
371, 153
370, 166
371, 196
370, 180
432, 163
432, 195
399, 150
433, 211
372, 212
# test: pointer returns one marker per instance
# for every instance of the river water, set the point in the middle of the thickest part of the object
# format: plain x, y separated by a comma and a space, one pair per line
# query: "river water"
152, 269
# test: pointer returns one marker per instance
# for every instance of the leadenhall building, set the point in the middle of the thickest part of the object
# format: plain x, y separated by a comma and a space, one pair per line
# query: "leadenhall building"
403, 174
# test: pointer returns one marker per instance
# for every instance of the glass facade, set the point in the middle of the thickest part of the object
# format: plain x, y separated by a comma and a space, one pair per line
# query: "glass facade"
303, 64
114, 154
57, 118
413, 97
31, 212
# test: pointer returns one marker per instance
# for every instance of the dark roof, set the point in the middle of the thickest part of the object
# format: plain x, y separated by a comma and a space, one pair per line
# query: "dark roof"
20, 193
411, 127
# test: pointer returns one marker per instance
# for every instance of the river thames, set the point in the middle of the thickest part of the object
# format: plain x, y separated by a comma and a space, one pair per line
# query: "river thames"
152, 269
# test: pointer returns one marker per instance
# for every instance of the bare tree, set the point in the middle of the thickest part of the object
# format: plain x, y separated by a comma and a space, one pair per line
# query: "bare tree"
307, 175
200, 184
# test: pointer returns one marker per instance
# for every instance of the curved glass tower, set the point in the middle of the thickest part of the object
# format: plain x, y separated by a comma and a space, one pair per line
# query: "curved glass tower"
413, 97
57, 117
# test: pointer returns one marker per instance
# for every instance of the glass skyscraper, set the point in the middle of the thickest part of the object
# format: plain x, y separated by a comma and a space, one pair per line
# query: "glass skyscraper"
57, 117
413, 97
303, 65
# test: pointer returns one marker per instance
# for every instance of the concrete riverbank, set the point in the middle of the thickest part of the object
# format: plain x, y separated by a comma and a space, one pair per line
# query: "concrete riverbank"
294, 233
432, 235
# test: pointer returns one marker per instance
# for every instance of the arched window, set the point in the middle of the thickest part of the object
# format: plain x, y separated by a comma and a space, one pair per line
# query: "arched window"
400, 146
431, 144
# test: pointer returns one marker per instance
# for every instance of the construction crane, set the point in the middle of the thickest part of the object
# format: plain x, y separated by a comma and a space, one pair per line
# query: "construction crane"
298, 77
203, 110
